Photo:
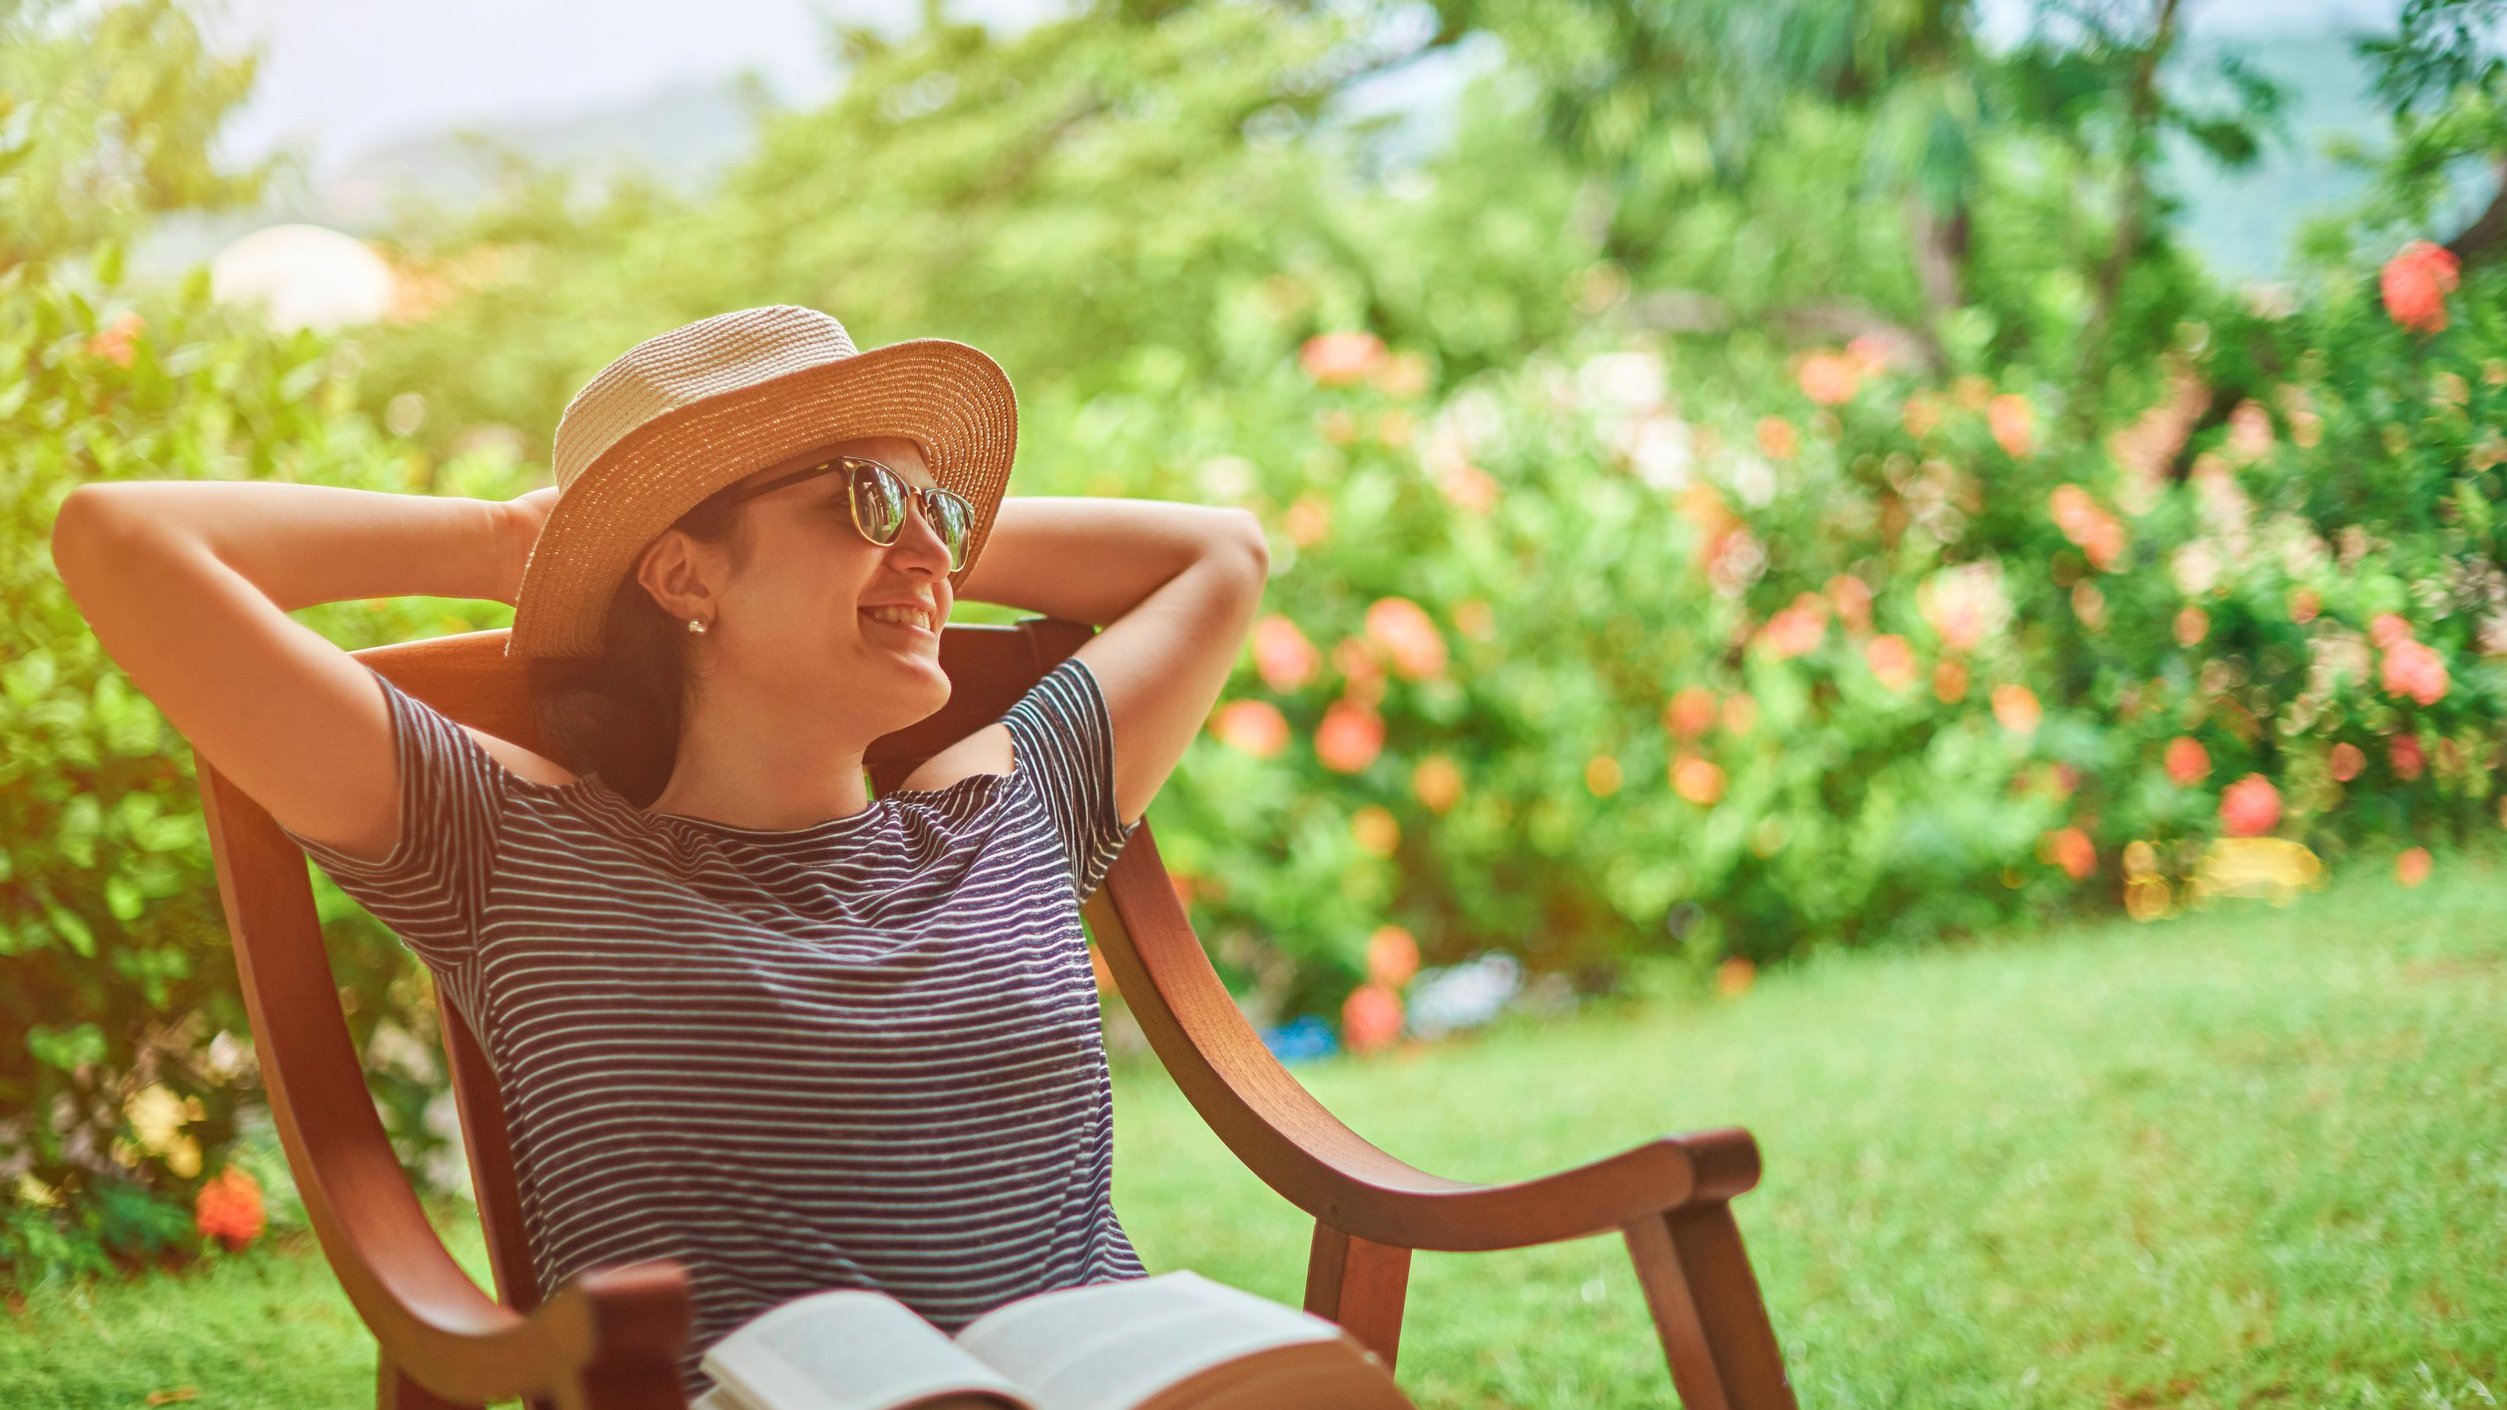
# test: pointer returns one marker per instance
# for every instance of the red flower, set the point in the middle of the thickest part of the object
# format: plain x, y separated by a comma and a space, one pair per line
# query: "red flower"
2416, 282
1283, 656
1338, 359
228, 1208
2407, 757
1349, 738
1370, 1018
1795, 630
2250, 807
1254, 726
2412, 867
2188, 763
2345, 762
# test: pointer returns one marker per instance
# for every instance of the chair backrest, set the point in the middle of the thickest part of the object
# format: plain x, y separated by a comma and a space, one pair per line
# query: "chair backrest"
336, 1147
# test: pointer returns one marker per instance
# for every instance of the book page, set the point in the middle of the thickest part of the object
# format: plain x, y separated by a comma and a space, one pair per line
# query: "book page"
847, 1350
1116, 1345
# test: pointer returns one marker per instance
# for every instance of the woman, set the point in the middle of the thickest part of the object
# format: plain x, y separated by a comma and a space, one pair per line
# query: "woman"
742, 1015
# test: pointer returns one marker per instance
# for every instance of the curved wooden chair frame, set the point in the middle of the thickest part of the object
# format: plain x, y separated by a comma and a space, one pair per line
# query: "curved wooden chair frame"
610, 1339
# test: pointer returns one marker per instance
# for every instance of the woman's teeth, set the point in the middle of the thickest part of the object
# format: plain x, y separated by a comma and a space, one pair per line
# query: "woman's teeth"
902, 616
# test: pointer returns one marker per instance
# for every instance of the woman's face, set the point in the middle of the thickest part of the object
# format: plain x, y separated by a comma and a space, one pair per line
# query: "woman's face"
795, 620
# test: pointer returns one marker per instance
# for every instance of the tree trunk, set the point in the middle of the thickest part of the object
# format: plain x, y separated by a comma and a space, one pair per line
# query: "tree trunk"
2131, 213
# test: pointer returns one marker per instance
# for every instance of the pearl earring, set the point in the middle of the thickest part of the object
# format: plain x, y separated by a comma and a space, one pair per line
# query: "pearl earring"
696, 626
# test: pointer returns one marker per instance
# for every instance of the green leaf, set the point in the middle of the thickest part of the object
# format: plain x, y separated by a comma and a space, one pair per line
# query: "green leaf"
66, 1048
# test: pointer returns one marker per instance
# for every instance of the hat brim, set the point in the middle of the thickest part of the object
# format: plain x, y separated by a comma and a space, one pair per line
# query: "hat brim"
948, 397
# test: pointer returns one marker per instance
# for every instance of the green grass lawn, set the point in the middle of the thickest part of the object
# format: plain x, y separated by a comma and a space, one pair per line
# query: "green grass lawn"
2252, 1157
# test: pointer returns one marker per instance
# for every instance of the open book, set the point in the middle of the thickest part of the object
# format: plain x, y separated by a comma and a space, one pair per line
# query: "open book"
1173, 1342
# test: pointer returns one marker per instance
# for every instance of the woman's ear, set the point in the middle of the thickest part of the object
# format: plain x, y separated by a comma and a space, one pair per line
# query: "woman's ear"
683, 575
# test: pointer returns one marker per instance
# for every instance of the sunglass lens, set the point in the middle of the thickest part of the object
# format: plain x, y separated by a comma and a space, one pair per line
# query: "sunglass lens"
878, 503
955, 519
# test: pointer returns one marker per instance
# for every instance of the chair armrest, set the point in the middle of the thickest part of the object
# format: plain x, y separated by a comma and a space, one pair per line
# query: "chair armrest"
1297, 1147
620, 1327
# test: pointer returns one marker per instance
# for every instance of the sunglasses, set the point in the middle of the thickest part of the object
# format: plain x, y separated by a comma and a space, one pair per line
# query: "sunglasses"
879, 497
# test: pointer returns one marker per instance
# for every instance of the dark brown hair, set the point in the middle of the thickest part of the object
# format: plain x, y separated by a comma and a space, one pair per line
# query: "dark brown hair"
619, 714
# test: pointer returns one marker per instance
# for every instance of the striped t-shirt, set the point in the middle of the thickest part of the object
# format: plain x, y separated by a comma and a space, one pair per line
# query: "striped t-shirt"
860, 1054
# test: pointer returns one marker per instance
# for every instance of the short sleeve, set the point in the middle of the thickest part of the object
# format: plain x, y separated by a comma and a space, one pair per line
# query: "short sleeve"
432, 889
1064, 741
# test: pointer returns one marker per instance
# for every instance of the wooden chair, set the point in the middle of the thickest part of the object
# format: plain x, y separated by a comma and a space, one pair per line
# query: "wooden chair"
610, 1339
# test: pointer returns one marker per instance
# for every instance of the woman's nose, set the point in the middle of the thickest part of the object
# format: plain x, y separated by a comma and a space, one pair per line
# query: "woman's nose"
920, 541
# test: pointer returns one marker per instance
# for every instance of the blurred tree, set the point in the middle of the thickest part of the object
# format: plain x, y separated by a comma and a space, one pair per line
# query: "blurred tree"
2443, 72
106, 118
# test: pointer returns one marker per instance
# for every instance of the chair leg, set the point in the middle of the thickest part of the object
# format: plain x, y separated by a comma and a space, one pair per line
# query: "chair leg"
1359, 1285
393, 1390
1707, 1309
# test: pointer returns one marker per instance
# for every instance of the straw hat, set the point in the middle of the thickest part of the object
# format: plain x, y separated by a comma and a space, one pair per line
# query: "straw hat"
682, 415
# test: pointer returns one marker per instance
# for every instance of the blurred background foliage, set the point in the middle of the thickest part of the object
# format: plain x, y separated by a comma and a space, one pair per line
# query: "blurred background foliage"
1771, 476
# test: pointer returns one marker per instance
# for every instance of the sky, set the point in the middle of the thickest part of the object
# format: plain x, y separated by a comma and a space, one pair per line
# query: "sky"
342, 76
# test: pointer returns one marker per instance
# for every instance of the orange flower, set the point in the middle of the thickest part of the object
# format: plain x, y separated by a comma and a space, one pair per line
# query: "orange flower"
1830, 378
2013, 422
1949, 682
2386, 628
2415, 283
1852, 597
2016, 707
2188, 763
1437, 782
228, 1208
1734, 977
2192, 625
1700, 781
1776, 437
1920, 415
1309, 520
1340, 358
1392, 956
118, 342
2250, 807
2304, 605
1283, 656
2412, 867
1691, 712
1402, 374
1370, 1018
1375, 830
1601, 775
1470, 487
1407, 634
2346, 762
2415, 669
1892, 660
2071, 849
1796, 630
1355, 659
1253, 726
1740, 714
1349, 738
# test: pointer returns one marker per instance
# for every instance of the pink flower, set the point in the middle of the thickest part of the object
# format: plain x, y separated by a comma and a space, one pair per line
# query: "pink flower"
2345, 762
2013, 421
2407, 757
1852, 597
1370, 1018
1830, 378
1349, 738
1470, 487
1341, 358
1892, 661
2415, 283
1403, 629
2412, 867
2188, 763
2304, 604
1283, 656
2415, 669
2386, 628
2016, 707
2192, 625
1253, 726
1776, 437
2250, 807
118, 342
